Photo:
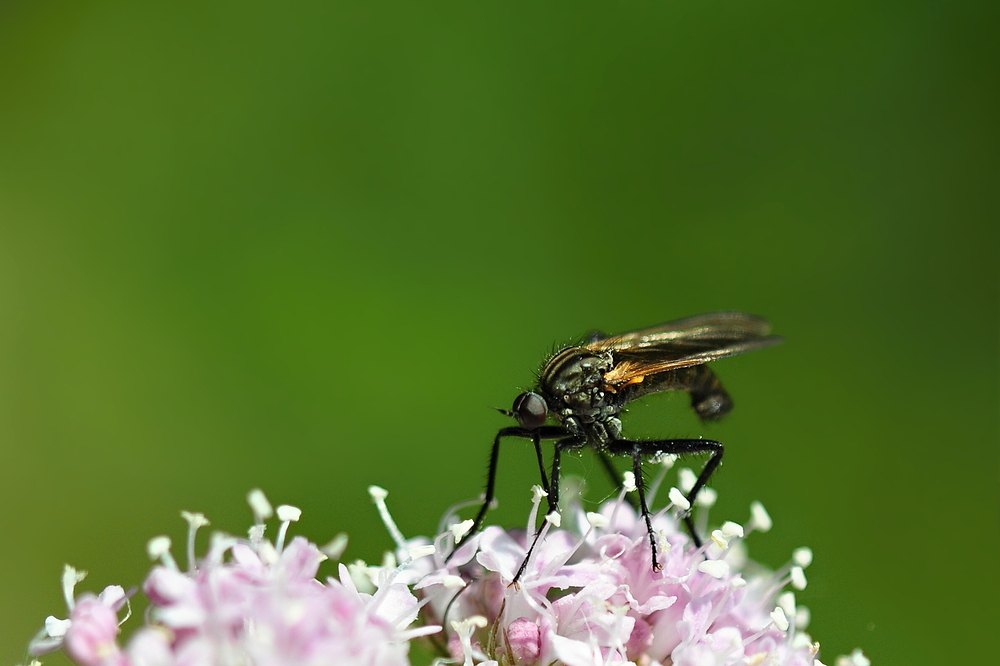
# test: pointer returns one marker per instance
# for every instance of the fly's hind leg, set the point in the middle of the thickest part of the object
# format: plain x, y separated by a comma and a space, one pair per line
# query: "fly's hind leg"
639, 451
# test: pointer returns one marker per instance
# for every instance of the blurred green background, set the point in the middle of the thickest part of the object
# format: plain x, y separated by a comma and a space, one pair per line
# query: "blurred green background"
307, 246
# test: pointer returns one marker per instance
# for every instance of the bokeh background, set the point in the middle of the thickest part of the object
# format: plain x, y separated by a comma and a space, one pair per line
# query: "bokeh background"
308, 246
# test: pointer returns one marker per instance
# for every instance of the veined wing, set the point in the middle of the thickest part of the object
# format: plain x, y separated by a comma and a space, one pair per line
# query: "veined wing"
712, 330
682, 343
633, 367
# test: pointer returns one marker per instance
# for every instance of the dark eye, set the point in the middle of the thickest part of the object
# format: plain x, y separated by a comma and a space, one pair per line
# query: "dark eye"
530, 410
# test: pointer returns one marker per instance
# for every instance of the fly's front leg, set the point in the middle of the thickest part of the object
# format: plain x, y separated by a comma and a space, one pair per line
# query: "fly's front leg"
537, 441
536, 435
566, 444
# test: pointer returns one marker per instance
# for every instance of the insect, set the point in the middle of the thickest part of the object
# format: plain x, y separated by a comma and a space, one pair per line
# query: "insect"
583, 390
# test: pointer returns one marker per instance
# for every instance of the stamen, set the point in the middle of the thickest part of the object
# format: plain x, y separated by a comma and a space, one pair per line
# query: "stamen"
786, 601
856, 658
779, 619
450, 515
259, 505
378, 495
256, 533
720, 539
759, 518
731, 529
554, 519
464, 629
336, 547
666, 461
686, 479
70, 577
287, 514
360, 575
158, 548
802, 556
416, 552
596, 520
459, 530
453, 582
706, 498
628, 482
798, 578
194, 520
537, 493
662, 543
714, 568
678, 500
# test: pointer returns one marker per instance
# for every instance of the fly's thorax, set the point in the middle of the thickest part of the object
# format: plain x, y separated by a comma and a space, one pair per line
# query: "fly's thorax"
573, 383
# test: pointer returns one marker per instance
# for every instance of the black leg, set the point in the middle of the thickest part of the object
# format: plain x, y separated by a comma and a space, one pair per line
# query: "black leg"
567, 444
640, 450
537, 441
640, 485
545, 432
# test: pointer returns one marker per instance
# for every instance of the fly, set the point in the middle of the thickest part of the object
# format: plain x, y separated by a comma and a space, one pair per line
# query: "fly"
583, 389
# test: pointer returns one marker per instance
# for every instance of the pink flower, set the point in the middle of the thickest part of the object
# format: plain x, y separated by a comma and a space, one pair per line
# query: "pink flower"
590, 597
90, 638
89, 634
248, 601
587, 596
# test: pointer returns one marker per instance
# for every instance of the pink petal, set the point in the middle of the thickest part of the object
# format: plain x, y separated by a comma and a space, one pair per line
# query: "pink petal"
90, 640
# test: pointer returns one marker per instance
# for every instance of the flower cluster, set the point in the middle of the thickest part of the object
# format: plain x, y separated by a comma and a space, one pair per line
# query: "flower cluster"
248, 601
589, 596
586, 595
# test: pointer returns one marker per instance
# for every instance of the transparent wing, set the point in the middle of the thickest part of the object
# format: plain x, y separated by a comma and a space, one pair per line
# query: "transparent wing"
716, 326
631, 367
683, 343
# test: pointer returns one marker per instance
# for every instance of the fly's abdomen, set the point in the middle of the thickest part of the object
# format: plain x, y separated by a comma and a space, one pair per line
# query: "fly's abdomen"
709, 399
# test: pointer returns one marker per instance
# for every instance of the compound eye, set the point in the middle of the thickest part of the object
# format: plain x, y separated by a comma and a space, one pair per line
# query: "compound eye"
530, 410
